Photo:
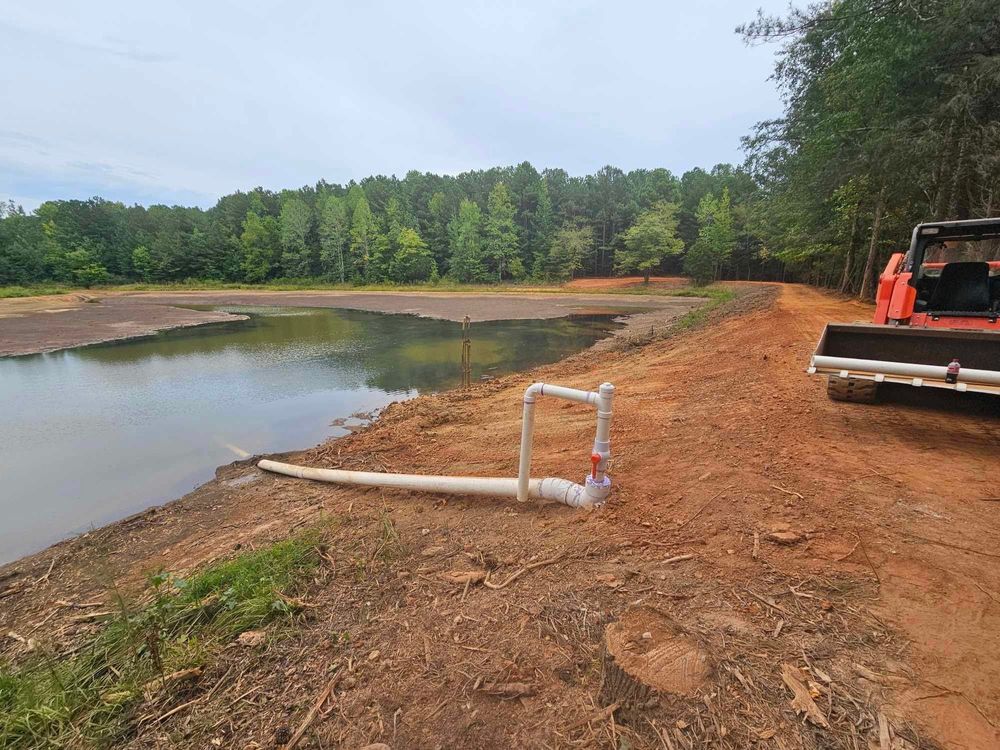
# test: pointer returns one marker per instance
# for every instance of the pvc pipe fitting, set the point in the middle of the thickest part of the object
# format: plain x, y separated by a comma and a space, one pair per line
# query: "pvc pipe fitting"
593, 492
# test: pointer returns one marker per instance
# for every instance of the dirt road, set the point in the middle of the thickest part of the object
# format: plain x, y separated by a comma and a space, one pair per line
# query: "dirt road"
43, 324
759, 537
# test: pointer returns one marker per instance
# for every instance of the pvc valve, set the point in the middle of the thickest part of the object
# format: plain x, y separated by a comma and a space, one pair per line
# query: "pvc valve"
595, 459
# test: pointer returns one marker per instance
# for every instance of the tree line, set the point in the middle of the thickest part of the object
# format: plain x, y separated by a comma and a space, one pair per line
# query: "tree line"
891, 118
500, 224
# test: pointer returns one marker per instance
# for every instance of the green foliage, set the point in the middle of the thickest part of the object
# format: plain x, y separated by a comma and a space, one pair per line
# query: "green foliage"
295, 223
351, 233
437, 230
413, 260
501, 249
10, 292
261, 247
88, 699
699, 264
364, 240
84, 268
466, 244
892, 117
568, 250
334, 233
142, 263
716, 238
650, 240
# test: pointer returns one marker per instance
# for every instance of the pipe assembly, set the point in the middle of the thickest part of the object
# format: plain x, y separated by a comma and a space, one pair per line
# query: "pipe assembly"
592, 492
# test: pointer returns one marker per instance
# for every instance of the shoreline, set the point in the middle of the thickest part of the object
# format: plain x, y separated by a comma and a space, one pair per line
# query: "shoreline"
42, 325
635, 328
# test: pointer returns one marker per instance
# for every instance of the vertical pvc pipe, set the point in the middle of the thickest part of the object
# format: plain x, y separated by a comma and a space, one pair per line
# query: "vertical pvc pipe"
527, 435
602, 440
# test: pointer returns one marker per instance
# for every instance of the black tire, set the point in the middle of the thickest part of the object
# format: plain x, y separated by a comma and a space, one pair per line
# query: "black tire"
851, 389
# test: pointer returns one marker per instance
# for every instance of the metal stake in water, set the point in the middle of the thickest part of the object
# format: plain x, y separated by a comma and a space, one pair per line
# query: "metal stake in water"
466, 353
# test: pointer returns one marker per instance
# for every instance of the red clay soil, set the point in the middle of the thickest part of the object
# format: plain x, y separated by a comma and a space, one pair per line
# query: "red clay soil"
773, 570
661, 282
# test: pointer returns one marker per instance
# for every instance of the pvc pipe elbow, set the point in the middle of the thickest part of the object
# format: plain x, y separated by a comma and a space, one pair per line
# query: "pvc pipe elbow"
531, 391
591, 494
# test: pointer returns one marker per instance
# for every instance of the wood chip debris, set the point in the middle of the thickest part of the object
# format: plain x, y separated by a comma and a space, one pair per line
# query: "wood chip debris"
251, 638
508, 689
802, 701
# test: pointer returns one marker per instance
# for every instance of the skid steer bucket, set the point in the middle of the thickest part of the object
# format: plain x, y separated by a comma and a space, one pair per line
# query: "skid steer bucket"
859, 356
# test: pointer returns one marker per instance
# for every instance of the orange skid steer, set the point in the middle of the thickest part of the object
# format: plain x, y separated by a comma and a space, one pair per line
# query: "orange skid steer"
936, 318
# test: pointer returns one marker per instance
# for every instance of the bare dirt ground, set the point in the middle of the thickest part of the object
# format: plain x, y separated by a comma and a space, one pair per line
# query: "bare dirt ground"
773, 569
43, 324
663, 282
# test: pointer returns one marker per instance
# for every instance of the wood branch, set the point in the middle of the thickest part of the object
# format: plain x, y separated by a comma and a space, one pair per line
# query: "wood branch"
487, 582
788, 492
312, 713
802, 700
677, 559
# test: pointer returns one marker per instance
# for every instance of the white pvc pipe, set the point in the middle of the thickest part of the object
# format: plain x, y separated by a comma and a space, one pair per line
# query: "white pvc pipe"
594, 491
549, 488
906, 369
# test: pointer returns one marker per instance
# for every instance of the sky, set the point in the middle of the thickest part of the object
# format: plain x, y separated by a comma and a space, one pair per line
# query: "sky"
183, 102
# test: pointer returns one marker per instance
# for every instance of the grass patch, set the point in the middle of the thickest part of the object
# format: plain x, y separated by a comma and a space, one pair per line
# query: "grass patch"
9, 292
717, 296
93, 698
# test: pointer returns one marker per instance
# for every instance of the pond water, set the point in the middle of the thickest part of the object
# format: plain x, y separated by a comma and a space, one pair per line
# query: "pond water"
94, 434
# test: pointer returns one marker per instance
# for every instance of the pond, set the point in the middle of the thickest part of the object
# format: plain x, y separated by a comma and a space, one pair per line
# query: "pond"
94, 434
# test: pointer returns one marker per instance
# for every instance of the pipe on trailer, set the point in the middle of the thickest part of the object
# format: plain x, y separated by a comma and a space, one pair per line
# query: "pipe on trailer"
905, 369
592, 492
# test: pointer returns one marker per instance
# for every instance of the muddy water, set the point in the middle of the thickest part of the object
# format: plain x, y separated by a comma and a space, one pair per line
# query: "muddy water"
94, 434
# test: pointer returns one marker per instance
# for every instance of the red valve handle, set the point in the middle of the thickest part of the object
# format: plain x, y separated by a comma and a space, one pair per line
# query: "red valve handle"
595, 459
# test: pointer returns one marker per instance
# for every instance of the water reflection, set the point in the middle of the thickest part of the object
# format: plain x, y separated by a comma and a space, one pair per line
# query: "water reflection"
92, 434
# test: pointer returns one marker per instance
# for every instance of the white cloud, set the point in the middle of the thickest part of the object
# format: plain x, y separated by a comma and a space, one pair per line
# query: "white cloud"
195, 100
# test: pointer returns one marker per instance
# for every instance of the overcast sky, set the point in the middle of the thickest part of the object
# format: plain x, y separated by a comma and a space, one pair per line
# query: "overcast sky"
182, 102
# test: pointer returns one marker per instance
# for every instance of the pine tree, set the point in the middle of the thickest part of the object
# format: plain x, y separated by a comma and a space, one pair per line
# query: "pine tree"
466, 244
568, 249
295, 221
437, 238
334, 233
364, 234
261, 246
543, 229
501, 249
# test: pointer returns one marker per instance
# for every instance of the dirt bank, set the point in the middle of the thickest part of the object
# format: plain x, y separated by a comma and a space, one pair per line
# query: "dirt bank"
760, 537
43, 324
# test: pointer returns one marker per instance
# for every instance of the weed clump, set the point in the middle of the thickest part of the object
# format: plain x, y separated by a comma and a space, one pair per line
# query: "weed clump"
93, 696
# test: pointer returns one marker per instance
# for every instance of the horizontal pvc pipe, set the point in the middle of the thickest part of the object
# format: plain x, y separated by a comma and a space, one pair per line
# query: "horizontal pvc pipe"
549, 488
906, 369
559, 391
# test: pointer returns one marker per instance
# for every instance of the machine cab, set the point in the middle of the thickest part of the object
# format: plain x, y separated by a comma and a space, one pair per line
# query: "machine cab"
949, 278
